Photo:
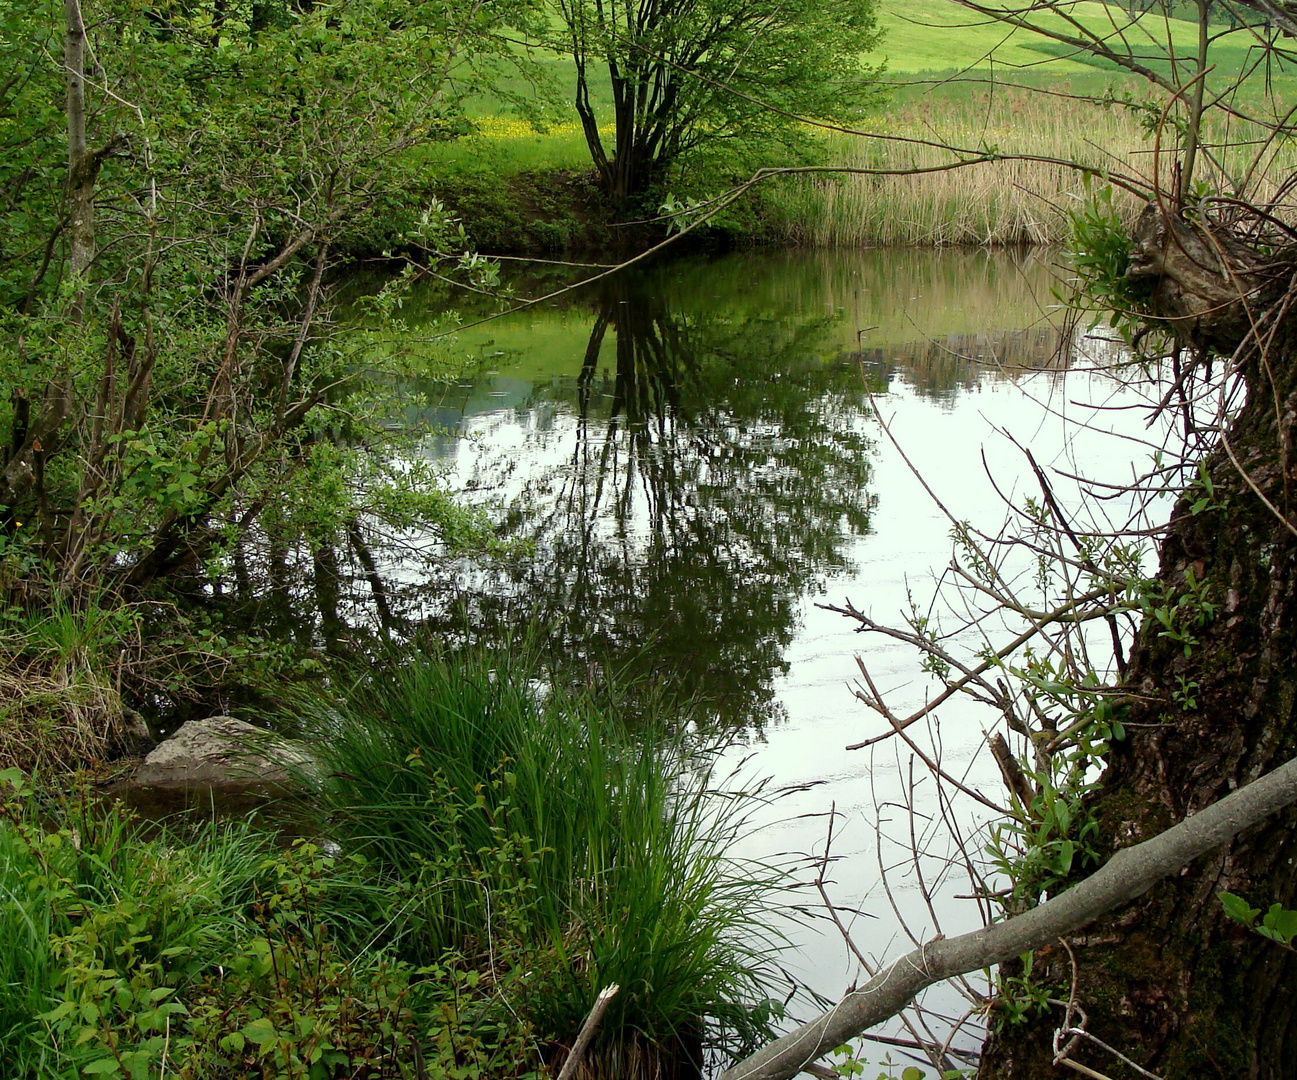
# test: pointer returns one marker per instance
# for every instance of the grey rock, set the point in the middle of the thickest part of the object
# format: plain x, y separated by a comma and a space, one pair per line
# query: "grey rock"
223, 750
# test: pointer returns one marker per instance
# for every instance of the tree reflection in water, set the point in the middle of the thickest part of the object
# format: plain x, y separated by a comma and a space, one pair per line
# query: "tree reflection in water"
717, 473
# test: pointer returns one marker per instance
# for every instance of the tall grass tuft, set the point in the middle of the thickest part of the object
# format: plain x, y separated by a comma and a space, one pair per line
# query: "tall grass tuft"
530, 830
60, 707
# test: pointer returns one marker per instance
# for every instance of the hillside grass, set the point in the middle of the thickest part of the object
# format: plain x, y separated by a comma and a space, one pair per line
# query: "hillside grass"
937, 35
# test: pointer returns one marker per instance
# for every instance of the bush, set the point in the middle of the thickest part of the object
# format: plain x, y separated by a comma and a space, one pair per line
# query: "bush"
208, 954
99, 921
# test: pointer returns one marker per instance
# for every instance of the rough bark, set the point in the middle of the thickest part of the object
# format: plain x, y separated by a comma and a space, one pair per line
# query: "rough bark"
1169, 980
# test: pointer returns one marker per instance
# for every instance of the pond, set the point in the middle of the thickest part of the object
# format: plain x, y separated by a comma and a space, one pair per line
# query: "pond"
690, 451
698, 455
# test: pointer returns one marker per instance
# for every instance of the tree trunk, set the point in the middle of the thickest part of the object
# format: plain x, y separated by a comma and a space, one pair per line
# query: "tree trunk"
81, 162
1169, 981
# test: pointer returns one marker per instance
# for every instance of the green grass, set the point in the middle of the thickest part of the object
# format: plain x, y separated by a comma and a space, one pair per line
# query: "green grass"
511, 146
60, 706
95, 895
522, 819
937, 35
206, 952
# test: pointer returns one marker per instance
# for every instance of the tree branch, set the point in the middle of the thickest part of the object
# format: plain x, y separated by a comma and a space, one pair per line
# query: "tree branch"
1129, 873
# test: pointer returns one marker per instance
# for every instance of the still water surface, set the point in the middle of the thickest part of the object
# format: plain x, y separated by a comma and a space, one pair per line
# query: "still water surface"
696, 454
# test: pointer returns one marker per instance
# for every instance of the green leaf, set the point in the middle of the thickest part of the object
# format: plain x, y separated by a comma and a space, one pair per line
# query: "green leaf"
13, 777
57, 1014
1238, 909
911, 1072
1281, 923
103, 1067
259, 1031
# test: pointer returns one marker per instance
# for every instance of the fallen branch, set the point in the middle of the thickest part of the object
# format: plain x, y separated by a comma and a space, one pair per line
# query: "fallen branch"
1129, 873
587, 1031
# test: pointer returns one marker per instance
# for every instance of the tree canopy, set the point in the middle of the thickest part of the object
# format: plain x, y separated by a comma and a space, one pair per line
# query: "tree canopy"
689, 78
162, 379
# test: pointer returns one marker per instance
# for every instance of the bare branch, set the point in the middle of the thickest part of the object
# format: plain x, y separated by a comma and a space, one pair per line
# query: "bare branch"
1128, 874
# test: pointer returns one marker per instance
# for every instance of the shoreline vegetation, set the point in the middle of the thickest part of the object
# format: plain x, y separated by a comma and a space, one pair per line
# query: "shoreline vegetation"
525, 186
524, 192
494, 842
486, 851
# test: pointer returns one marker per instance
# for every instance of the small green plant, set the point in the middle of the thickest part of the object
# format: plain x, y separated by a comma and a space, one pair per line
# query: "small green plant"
1039, 850
107, 929
1203, 492
848, 1061
1100, 253
1052, 832
1185, 693
1020, 998
116, 1012
292, 1004
1279, 924
1179, 612
208, 955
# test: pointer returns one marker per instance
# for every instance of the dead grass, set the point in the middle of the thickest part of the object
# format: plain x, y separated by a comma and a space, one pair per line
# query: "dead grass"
999, 203
56, 716
61, 668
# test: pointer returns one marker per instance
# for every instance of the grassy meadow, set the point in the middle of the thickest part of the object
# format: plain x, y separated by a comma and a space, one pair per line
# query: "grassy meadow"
961, 85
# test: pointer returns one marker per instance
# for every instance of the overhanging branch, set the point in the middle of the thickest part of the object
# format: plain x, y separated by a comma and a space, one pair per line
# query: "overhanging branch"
1128, 874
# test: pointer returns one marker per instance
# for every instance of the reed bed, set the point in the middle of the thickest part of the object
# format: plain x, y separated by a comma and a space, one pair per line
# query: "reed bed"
996, 203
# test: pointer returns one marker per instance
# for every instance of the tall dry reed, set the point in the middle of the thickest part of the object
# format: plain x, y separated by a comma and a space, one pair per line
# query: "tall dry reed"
994, 203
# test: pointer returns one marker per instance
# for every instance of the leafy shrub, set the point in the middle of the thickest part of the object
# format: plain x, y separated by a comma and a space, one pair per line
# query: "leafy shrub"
211, 955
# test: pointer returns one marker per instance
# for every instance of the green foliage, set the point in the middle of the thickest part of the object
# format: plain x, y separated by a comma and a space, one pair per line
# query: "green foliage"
1041, 848
292, 1003
1279, 924
189, 387
106, 929
1176, 612
1021, 998
847, 1062
1100, 255
207, 955
710, 78
1203, 493
513, 818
